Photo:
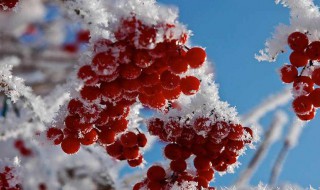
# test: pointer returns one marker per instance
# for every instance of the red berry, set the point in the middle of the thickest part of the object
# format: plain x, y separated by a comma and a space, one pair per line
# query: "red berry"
314, 97
74, 106
202, 124
173, 129
83, 36
169, 80
118, 125
89, 138
288, 73
298, 41
70, 48
307, 116
313, 50
142, 140
196, 57
129, 71
90, 93
178, 65
111, 90
88, 75
135, 162
302, 105
155, 126
178, 165
173, 151
298, 59
202, 182
208, 175
131, 152
111, 76
235, 146
107, 136
130, 85
115, 149
220, 130
129, 139
156, 173
147, 36
18, 144
201, 163
149, 80
142, 59
171, 94
55, 135
249, 135
236, 132
151, 91
189, 85
316, 76
105, 63
70, 145
139, 185
157, 101
302, 85
221, 167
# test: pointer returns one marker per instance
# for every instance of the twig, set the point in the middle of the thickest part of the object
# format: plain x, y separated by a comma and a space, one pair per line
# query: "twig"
279, 120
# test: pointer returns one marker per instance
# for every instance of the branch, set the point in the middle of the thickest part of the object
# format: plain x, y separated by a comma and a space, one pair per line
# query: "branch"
275, 130
289, 143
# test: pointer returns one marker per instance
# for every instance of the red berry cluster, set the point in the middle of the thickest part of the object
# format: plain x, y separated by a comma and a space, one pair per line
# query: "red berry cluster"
216, 145
20, 146
6, 177
7, 4
133, 68
304, 56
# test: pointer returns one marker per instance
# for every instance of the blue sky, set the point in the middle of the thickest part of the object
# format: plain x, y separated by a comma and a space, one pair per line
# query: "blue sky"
232, 32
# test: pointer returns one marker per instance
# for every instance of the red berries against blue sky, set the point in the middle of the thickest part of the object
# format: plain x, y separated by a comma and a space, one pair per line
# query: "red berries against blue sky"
302, 105
299, 59
303, 55
196, 57
313, 50
189, 85
288, 73
298, 41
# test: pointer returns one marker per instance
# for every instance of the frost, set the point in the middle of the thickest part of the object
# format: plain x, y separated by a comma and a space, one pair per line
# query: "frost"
304, 17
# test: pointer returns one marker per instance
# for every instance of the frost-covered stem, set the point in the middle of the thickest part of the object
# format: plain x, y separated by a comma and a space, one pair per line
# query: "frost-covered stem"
289, 143
266, 106
279, 120
277, 167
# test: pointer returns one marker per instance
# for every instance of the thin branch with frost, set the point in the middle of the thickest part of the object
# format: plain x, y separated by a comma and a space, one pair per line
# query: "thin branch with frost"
289, 143
266, 106
272, 135
14, 88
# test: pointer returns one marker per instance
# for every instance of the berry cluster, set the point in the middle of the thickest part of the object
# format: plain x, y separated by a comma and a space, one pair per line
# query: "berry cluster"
7, 4
305, 55
6, 178
20, 146
215, 144
159, 179
135, 68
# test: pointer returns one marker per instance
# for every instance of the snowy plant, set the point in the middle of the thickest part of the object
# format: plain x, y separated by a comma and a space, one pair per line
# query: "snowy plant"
75, 76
